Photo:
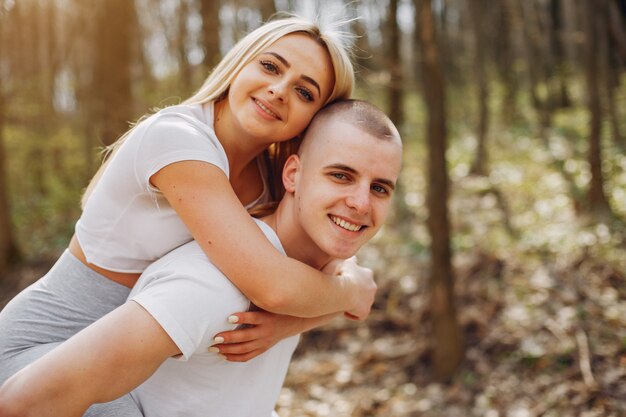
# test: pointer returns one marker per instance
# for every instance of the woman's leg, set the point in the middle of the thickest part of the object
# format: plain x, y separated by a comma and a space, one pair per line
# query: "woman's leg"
122, 407
67, 299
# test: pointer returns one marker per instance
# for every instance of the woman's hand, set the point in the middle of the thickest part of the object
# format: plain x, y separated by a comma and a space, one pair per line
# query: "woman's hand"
261, 331
364, 279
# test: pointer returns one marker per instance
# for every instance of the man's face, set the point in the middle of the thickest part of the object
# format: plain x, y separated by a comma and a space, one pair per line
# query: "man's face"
342, 185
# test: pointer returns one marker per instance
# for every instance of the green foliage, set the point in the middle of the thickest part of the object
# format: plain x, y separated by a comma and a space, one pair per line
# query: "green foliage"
46, 171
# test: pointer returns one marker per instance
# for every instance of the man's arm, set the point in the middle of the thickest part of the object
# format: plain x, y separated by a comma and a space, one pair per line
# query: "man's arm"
99, 364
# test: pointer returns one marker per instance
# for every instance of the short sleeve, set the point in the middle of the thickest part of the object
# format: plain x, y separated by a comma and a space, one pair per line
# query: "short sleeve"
170, 138
191, 307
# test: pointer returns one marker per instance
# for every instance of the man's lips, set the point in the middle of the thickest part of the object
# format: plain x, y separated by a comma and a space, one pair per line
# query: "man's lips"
353, 227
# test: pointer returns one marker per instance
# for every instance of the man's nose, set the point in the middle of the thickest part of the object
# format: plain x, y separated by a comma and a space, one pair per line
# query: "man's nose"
359, 200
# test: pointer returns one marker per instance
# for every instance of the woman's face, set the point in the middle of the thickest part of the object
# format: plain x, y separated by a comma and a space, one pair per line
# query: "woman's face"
275, 96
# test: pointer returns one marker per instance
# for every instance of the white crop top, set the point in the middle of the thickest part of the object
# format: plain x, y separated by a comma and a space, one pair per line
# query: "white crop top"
126, 223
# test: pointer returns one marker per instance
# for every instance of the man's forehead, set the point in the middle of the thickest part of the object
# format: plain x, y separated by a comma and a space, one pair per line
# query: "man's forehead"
335, 132
357, 151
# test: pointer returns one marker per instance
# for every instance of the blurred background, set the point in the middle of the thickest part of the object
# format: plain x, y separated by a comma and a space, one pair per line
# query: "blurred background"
502, 269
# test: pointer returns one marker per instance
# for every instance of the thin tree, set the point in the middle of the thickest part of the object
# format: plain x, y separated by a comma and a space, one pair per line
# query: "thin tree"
181, 44
267, 8
9, 253
395, 99
614, 64
477, 13
558, 50
210, 13
505, 56
112, 81
394, 92
597, 202
448, 349
535, 59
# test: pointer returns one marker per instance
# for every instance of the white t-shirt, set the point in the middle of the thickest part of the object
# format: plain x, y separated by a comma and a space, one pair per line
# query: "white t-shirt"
191, 299
127, 224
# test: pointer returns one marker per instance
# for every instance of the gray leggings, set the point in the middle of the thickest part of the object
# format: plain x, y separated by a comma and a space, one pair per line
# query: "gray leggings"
67, 299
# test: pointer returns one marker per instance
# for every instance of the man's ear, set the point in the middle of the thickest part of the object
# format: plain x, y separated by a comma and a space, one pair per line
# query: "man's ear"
290, 170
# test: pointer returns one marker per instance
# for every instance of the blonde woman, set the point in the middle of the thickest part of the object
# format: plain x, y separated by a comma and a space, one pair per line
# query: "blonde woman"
187, 172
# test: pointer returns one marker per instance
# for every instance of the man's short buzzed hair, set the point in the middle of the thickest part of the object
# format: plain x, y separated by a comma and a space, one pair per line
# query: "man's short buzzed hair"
361, 114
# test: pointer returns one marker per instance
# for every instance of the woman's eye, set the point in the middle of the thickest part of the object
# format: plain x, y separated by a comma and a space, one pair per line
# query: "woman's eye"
306, 94
269, 66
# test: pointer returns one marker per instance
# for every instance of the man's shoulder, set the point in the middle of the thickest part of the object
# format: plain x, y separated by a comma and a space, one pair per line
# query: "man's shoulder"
186, 271
189, 253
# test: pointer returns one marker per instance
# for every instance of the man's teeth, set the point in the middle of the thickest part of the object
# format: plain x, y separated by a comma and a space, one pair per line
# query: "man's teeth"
266, 110
348, 226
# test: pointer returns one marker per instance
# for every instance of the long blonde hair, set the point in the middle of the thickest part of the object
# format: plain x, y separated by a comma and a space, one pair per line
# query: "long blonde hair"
216, 85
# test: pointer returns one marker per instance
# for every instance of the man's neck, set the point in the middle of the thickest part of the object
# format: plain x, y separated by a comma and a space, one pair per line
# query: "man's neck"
295, 241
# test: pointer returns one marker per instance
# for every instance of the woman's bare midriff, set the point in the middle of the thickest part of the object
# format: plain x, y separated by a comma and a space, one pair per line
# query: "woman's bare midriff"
123, 278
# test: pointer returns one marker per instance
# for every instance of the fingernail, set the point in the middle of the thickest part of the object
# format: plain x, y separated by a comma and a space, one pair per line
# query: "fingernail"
218, 339
233, 319
221, 356
213, 349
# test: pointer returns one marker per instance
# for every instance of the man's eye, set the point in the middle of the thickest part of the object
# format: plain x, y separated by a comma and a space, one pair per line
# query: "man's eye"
339, 175
379, 189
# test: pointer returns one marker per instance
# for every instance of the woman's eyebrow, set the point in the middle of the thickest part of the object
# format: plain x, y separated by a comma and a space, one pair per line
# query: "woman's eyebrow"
280, 58
288, 65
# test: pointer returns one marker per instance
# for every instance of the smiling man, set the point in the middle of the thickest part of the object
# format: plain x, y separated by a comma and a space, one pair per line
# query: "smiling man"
338, 192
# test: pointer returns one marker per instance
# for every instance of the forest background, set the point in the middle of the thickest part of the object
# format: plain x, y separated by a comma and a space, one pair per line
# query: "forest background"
501, 272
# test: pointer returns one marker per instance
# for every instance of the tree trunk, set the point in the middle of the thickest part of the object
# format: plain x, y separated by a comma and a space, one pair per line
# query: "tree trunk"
556, 15
477, 12
9, 253
112, 68
267, 8
596, 199
182, 39
505, 58
615, 52
395, 66
448, 349
534, 58
210, 11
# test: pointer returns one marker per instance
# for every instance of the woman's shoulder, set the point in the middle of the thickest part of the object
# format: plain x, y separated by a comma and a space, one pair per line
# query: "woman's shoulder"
191, 113
189, 119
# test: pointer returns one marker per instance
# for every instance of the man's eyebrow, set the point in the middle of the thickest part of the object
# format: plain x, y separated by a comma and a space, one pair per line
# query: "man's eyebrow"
288, 65
342, 167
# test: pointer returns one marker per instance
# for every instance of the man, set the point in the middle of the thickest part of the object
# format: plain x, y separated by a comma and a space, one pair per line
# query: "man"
338, 191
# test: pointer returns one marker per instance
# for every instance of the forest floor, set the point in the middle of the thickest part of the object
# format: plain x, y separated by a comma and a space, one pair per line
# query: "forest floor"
541, 339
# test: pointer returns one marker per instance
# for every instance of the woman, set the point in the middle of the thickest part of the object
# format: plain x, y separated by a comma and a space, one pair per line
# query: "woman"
186, 173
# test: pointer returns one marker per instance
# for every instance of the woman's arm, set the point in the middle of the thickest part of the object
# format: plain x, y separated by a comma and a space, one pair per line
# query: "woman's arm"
266, 330
99, 364
204, 199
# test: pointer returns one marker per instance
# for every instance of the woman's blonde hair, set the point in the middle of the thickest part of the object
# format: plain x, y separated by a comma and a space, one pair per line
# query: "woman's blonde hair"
216, 85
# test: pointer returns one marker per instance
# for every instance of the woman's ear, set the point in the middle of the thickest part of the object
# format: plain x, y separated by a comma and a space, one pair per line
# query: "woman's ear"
290, 171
